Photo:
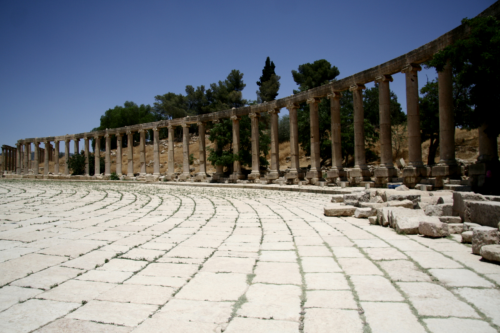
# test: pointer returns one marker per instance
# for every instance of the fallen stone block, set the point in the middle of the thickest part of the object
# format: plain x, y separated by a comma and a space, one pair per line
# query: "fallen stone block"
485, 213
376, 199
339, 210
459, 205
382, 194
364, 212
492, 197
467, 237
372, 220
383, 216
455, 228
483, 236
405, 204
433, 228
407, 225
399, 213
469, 226
450, 219
491, 252
373, 205
439, 210
338, 198
402, 188
404, 196
353, 199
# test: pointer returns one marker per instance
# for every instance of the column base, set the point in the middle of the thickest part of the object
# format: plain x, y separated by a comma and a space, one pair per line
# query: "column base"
413, 175
357, 175
384, 175
447, 171
201, 176
294, 177
254, 176
333, 175
482, 181
184, 176
273, 175
235, 177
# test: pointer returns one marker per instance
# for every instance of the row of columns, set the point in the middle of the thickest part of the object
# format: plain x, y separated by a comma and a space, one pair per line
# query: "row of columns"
9, 161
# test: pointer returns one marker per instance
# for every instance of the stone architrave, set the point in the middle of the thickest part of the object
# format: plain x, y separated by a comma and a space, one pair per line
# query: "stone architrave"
236, 149
46, 158
142, 151
447, 166
275, 149
185, 153
119, 145
254, 119
56, 162
130, 153
86, 149
107, 156
18, 158
337, 170
156, 152
314, 175
360, 171
386, 171
37, 158
97, 155
295, 173
171, 163
202, 156
66, 157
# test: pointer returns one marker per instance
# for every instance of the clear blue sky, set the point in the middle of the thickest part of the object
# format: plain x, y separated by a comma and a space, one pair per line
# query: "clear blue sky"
64, 63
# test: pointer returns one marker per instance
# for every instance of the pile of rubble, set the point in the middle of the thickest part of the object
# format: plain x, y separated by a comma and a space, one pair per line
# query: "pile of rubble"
431, 214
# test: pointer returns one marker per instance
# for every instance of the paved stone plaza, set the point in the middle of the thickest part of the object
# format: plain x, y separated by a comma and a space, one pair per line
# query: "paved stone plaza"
101, 257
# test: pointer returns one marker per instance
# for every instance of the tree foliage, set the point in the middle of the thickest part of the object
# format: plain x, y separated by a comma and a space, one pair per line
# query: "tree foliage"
76, 163
268, 83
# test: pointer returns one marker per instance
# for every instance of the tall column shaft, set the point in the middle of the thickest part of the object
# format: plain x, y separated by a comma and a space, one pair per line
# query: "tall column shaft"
446, 117
385, 121
25, 160
107, 156
202, 149
76, 146
275, 167
219, 169
359, 128
97, 156
142, 151
18, 158
87, 164
4, 160
254, 118
37, 158
488, 146
130, 154
171, 165
119, 144
56, 162
236, 145
156, 151
336, 130
413, 113
46, 158
185, 150
30, 161
294, 137
66, 157
315, 171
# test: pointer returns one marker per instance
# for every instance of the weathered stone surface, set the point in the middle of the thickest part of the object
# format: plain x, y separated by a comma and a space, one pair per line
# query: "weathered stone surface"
338, 198
364, 212
323, 320
469, 226
404, 203
446, 325
455, 228
439, 210
486, 300
485, 213
376, 199
402, 188
339, 210
373, 205
355, 198
383, 319
483, 236
450, 219
490, 252
383, 216
407, 226
460, 278
404, 196
433, 229
399, 213
459, 205
372, 219
467, 237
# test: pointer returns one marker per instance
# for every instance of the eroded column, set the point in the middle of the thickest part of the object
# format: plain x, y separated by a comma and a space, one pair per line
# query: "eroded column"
295, 173
336, 171
37, 158
236, 149
219, 169
142, 151
275, 166
254, 119
4, 159
130, 154
314, 173
46, 158
185, 153
18, 158
66, 157
119, 144
97, 155
107, 156
86, 148
76, 145
171, 163
56, 162
202, 156
360, 172
156, 152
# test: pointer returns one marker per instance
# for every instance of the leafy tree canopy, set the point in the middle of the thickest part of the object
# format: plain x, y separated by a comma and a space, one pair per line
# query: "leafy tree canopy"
268, 83
127, 115
314, 75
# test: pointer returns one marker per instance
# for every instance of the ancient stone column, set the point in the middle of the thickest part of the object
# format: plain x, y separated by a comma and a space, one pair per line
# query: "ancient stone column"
255, 174
30, 161
37, 158
76, 145
18, 158
275, 150
236, 149
142, 151
66, 157
4, 159
156, 152
413, 112
386, 171
202, 151
56, 153
185, 152
219, 169
86, 148
97, 155
107, 156
171, 163
336, 170
295, 173
25, 159
130, 154
314, 173
119, 144
488, 145
360, 171
46, 159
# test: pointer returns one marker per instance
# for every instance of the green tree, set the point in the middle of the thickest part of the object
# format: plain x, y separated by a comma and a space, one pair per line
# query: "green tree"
76, 163
268, 83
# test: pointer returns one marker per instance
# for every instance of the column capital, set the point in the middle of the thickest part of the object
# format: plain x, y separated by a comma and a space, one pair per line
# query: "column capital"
96, 137
357, 86
184, 125
155, 128
274, 111
234, 118
215, 121
334, 95
313, 100
129, 132
141, 130
119, 134
253, 115
46, 142
106, 135
170, 127
292, 105
411, 68
384, 78
200, 123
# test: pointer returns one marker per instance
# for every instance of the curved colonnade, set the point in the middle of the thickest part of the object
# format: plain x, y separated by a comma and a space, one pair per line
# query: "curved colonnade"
416, 172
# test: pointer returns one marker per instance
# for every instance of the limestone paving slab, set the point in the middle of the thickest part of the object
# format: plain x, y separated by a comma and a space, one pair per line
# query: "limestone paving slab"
207, 286
48, 277
12, 295
105, 276
129, 293
326, 281
196, 311
278, 273
252, 325
438, 325
328, 320
76, 291
375, 288
460, 278
330, 299
486, 300
82, 326
169, 270
382, 319
229, 265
